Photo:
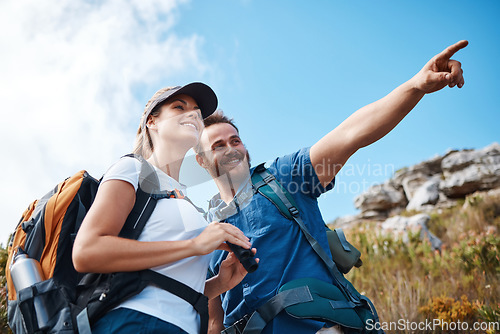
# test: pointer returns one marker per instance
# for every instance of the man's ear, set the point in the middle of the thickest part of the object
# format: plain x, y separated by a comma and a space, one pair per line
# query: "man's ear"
200, 160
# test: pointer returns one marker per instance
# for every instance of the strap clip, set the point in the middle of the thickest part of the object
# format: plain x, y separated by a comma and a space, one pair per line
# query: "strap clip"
268, 178
293, 211
176, 194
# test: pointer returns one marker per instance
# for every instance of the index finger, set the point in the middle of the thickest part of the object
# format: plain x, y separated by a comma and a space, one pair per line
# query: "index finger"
452, 49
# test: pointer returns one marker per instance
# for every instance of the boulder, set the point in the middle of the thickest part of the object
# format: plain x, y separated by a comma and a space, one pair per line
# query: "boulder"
426, 194
412, 182
379, 199
412, 178
400, 224
468, 171
400, 227
346, 221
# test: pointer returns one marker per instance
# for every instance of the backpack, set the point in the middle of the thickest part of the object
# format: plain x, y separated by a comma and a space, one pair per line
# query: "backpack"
70, 301
310, 298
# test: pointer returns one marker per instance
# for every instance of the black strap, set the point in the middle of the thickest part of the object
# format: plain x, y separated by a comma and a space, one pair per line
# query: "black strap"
136, 220
144, 202
198, 300
176, 194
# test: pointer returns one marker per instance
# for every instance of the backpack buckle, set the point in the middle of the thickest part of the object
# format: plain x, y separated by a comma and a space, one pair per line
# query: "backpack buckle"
293, 211
269, 178
176, 193
168, 194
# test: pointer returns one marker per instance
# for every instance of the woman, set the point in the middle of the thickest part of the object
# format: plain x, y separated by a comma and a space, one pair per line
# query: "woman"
176, 240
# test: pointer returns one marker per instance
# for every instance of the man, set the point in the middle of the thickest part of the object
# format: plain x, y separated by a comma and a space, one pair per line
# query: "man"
284, 252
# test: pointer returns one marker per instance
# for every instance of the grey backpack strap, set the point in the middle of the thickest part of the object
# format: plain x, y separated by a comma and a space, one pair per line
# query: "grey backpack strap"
83, 323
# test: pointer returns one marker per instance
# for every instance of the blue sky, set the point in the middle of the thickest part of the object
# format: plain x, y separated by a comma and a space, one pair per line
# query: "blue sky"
296, 70
75, 79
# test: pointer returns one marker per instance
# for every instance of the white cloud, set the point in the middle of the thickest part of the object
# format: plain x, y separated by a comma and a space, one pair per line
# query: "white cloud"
70, 72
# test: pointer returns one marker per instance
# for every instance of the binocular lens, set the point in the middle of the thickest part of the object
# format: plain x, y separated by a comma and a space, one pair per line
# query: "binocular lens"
245, 256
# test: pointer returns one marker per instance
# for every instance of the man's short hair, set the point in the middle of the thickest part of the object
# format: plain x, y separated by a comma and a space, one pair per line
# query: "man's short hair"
217, 117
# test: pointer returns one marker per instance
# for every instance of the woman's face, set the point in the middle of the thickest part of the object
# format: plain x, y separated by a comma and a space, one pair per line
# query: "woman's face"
179, 120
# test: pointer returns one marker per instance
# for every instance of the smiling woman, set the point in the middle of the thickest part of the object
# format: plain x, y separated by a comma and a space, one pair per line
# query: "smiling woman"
176, 240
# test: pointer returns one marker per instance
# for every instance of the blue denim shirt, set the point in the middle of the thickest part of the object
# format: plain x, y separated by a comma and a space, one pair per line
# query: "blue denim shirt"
283, 250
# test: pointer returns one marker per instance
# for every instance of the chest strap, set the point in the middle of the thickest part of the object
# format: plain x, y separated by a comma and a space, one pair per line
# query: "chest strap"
175, 194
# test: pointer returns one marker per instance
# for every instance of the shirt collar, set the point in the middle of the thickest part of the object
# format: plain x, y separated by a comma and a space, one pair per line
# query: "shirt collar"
219, 210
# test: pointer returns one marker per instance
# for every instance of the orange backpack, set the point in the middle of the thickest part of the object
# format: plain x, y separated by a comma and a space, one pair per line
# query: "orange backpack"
46, 232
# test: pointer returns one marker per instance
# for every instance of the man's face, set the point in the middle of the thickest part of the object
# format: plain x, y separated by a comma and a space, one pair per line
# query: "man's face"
223, 151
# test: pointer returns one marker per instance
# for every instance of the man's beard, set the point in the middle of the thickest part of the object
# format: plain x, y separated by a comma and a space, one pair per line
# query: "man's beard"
218, 168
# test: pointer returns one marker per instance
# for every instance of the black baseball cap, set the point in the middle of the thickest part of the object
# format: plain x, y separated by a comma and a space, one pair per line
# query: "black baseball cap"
204, 96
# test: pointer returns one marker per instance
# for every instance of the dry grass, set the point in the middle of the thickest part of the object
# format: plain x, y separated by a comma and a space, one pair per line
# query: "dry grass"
406, 280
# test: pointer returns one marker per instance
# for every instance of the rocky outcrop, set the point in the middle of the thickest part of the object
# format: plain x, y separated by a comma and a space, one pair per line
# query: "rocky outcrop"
430, 185
437, 182
468, 171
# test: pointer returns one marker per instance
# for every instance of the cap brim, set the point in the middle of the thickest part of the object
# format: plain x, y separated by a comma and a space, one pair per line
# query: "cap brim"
204, 96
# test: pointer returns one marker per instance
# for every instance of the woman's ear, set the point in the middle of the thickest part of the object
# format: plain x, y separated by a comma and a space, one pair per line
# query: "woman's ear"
151, 123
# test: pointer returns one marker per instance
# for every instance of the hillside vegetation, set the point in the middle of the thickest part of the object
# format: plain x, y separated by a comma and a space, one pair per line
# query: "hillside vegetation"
409, 281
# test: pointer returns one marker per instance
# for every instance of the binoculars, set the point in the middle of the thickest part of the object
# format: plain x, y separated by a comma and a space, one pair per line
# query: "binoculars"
245, 256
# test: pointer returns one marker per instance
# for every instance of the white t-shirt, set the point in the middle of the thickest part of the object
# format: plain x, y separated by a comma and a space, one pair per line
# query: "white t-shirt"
172, 219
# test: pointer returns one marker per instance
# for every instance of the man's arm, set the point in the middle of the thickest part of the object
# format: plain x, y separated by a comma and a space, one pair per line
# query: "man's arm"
374, 121
216, 314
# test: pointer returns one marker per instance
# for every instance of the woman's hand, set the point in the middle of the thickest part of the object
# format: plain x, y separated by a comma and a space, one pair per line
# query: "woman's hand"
215, 237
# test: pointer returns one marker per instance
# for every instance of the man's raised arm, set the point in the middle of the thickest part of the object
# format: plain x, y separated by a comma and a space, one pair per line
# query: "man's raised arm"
372, 122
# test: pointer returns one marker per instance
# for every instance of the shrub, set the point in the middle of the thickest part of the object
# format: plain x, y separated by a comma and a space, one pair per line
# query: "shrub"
449, 310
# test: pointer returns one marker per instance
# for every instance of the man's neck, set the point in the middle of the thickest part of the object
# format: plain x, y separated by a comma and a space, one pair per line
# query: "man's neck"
229, 185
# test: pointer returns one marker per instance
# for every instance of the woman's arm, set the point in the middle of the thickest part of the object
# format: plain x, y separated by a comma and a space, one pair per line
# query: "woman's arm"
98, 248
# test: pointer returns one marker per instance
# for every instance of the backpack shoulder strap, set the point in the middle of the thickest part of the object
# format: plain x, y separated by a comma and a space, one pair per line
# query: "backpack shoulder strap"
144, 202
267, 185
